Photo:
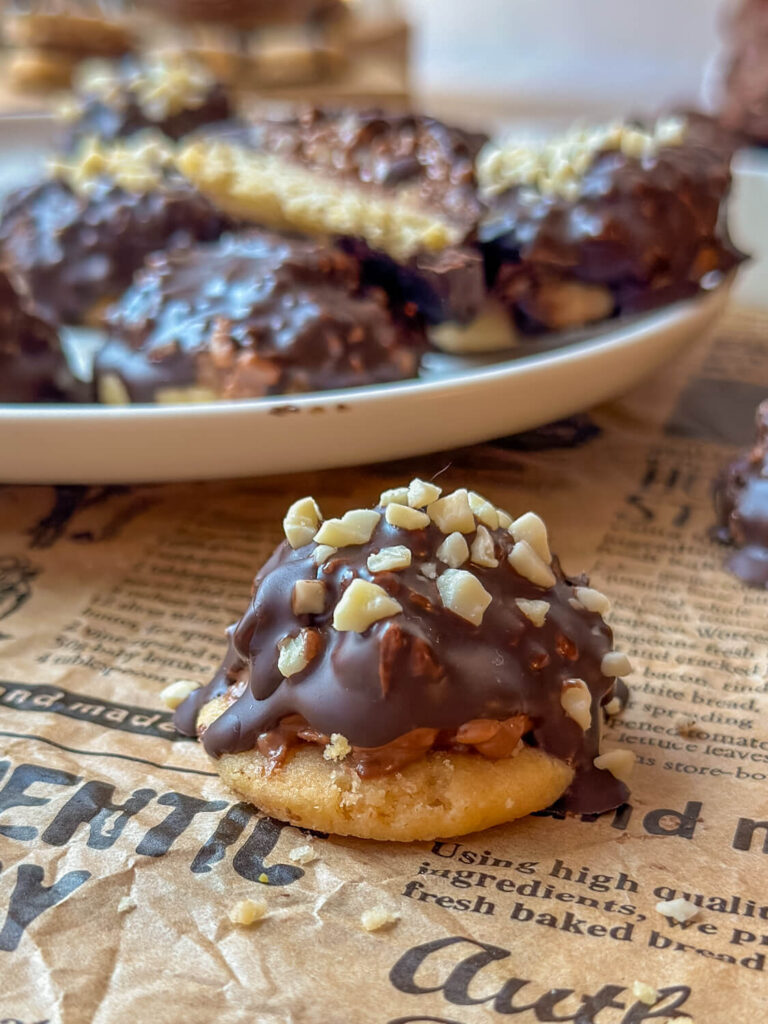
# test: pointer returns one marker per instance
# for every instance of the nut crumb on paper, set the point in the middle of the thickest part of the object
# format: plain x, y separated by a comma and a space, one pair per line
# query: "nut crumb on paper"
126, 904
378, 917
681, 910
644, 992
302, 854
247, 912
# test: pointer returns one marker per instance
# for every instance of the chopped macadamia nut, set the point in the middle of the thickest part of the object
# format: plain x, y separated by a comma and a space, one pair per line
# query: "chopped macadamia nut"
644, 992
176, 693
406, 518
308, 597
531, 528
337, 749
618, 762
302, 854
390, 559
429, 570
528, 564
593, 600
482, 550
421, 493
454, 550
463, 594
301, 522
613, 707
296, 652
398, 495
247, 912
484, 510
126, 905
577, 702
679, 910
505, 519
453, 513
535, 611
322, 553
378, 917
362, 604
354, 527
615, 663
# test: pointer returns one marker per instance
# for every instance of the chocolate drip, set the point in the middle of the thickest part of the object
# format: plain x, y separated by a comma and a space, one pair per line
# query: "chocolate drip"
741, 503
426, 668
255, 314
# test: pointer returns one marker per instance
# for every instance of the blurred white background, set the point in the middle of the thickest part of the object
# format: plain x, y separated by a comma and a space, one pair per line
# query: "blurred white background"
602, 56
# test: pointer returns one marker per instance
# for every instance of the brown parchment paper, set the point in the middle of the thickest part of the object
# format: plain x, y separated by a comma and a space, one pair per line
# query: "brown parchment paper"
122, 853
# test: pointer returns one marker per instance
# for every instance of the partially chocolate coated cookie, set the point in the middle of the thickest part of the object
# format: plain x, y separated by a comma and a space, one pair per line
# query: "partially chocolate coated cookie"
32, 365
77, 237
741, 502
606, 221
419, 669
253, 314
170, 93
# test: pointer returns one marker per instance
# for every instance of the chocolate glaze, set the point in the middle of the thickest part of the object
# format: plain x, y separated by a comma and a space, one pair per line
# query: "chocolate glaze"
125, 116
744, 103
431, 160
425, 668
32, 364
75, 250
255, 314
651, 230
741, 503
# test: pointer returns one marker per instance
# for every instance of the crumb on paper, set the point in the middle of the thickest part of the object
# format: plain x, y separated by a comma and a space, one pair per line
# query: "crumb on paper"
685, 725
337, 749
126, 904
263, 878
644, 992
302, 854
378, 917
681, 910
247, 912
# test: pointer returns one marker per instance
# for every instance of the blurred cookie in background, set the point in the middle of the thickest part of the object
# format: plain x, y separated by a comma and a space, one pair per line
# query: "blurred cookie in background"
167, 91
77, 236
33, 367
744, 100
250, 315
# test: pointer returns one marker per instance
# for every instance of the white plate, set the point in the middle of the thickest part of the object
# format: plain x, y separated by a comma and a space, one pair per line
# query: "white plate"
97, 444
459, 402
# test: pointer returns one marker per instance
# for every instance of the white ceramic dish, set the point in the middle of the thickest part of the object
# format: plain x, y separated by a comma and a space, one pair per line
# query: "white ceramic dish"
459, 405
459, 401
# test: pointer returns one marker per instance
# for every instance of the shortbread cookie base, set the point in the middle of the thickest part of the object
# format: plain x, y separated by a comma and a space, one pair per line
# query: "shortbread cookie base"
442, 794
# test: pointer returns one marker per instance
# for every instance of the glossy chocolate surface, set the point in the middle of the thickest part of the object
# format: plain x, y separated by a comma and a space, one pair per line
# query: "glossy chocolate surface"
255, 314
433, 161
741, 502
75, 250
425, 668
652, 229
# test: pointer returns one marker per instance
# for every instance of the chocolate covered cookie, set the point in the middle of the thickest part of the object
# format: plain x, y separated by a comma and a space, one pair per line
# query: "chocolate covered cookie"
400, 187
32, 364
167, 92
423, 668
605, 221
253, 314
77, 237
741, 502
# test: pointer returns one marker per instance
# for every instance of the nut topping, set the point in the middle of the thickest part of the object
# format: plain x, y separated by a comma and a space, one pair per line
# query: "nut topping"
527, 563
484, 510
535, 611
618, 762
406, 518
296, 652
453, 513
593, 600
454, 550
308, 597
463, 594
390, 559
362, 604
577, 702
421, 493
531, 528
301, 522
354, 527
615, 663
482, 551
